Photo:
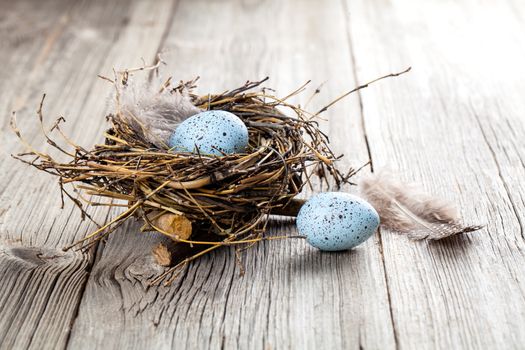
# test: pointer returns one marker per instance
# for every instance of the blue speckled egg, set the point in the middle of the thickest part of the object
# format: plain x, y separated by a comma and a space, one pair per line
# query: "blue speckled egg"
335, 221
212, 132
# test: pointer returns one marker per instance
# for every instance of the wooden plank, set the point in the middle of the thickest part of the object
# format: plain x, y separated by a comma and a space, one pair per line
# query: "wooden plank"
291, 295
456, 125
65, 47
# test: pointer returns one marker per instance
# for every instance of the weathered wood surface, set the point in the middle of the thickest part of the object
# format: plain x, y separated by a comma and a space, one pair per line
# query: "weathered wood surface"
59, 48
454, 123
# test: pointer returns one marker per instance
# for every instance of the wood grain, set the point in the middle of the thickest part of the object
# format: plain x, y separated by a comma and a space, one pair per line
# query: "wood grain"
452, 124
67, 45
455, 124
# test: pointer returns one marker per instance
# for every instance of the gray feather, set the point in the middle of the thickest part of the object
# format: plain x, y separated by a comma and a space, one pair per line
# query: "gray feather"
154, 111
406, 209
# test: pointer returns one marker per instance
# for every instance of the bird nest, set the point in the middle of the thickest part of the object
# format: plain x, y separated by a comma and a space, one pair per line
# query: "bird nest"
195, 199
187, 196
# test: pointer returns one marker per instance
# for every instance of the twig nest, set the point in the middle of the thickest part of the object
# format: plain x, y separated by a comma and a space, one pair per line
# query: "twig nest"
211, 133
334, 221
254, 153
243, 159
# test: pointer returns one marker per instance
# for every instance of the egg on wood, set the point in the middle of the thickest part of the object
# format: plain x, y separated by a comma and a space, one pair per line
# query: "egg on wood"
210, 133
334, 221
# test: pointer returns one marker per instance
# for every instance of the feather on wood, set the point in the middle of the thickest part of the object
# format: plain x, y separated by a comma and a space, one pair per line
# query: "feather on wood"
406, 209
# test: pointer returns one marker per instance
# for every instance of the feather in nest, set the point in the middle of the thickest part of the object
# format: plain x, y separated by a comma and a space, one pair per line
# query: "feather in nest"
406, 209
154, 111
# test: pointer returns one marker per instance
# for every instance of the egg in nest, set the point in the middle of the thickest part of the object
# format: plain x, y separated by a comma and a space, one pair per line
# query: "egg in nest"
211, 133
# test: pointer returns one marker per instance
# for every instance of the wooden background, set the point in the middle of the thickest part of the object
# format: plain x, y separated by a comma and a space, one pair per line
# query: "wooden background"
455, 124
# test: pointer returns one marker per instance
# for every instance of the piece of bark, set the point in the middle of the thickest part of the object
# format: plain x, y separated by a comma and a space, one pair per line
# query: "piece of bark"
175, 225
179, 251
162, 255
